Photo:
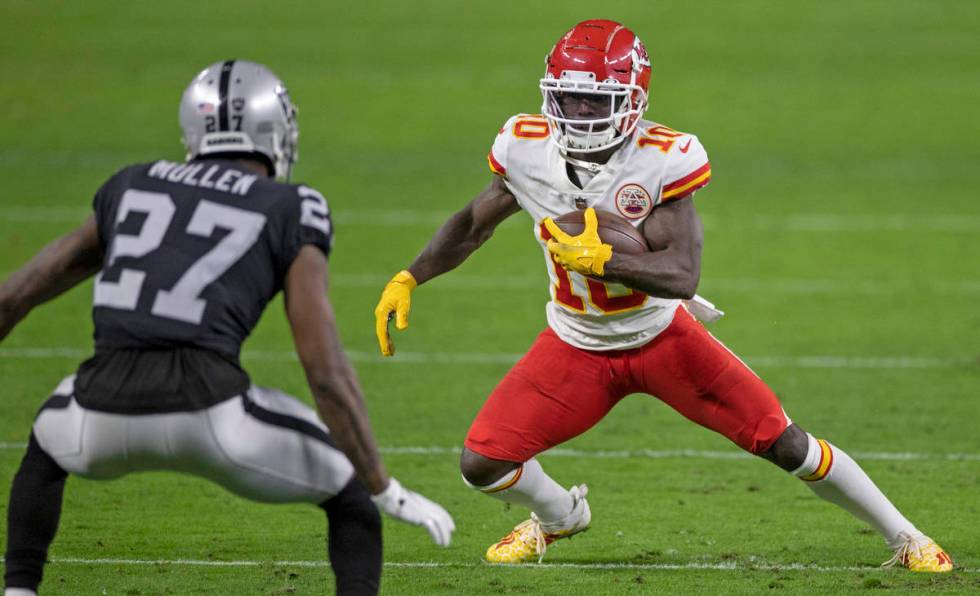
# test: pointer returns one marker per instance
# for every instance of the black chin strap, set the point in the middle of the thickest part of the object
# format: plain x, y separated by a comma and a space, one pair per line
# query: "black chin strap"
573, 175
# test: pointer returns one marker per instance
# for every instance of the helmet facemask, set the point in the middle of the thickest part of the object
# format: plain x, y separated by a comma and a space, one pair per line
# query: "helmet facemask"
286, 143
626, 103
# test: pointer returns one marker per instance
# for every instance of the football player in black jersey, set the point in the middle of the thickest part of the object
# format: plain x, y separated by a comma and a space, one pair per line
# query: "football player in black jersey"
186, 257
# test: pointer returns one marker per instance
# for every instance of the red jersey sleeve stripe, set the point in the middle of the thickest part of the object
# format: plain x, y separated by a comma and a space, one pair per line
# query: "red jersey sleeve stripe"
495, 166
687, 184
682, 181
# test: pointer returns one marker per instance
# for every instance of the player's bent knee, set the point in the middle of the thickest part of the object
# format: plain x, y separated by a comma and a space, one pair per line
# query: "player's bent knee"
37, 462
790, 450
478, 470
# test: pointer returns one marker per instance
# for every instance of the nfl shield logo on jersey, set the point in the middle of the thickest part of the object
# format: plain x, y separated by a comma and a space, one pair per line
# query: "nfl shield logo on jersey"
633, 201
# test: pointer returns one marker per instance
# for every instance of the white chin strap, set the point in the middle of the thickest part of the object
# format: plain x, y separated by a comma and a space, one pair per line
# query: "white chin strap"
587, 141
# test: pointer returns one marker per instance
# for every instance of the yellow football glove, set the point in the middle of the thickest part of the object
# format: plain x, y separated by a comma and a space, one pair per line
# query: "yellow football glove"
585, 253
396, 300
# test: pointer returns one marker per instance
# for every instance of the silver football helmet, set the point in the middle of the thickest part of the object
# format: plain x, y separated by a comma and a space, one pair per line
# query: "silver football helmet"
239, 106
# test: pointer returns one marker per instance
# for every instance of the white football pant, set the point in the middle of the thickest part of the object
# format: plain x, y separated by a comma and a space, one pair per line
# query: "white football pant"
265, 445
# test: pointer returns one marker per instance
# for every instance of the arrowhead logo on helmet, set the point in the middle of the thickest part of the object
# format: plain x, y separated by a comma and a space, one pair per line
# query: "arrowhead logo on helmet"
600, 61
640, 56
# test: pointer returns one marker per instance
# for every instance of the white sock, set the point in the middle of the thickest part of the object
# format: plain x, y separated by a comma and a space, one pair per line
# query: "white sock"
837, 478
19, 592
530, 487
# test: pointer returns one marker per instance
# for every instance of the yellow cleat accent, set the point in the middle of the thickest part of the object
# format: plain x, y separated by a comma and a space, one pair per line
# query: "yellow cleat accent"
528, 541
920, 553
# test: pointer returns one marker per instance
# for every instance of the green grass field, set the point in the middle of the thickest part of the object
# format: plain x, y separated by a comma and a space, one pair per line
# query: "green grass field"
842, 238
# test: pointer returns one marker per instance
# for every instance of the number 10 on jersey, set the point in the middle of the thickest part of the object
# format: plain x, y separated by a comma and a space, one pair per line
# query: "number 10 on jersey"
598, 292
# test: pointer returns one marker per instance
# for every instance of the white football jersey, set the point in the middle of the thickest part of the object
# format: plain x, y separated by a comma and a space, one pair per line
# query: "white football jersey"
656, 164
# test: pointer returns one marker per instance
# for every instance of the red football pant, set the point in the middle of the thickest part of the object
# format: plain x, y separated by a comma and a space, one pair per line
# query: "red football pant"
557, 391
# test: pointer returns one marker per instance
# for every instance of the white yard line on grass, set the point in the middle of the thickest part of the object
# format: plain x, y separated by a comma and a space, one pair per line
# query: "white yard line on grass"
795, 222
689, 454
727, 566
859, 222
710, 286
654, 453
820, 362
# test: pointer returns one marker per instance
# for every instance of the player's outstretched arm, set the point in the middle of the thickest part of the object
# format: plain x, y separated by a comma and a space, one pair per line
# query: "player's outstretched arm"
331, 377
463, 233
338, 396
58, 267
673, 268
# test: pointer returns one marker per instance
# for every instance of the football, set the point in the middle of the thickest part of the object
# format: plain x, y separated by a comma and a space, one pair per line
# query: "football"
614, 230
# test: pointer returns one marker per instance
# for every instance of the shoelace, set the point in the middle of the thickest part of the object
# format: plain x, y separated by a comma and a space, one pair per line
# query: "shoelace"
540, 543
910, 546
534, 527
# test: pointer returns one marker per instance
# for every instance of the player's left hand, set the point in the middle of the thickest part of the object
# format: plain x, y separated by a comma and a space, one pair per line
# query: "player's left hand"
411, 507
585, 253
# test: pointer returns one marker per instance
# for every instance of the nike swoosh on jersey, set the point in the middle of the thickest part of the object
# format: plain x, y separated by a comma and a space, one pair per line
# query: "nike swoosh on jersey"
686, 146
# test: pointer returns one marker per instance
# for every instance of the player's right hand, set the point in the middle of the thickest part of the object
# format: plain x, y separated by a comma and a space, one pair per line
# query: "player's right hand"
396, 299
413, 508
586, 253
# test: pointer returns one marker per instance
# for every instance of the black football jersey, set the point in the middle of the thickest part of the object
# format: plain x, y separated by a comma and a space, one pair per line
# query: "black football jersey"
194, 252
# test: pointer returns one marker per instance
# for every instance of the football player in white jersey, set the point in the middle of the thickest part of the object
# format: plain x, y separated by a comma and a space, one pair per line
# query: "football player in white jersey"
617, 324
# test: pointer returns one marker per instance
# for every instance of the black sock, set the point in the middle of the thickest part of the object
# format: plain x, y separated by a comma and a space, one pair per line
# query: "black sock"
354, 540
32, 516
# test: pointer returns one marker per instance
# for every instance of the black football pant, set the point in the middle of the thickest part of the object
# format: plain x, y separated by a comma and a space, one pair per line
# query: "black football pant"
32, 516
354, 531
354, 540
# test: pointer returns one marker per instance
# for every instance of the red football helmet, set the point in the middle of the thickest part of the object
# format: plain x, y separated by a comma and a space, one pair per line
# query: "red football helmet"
601, 58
